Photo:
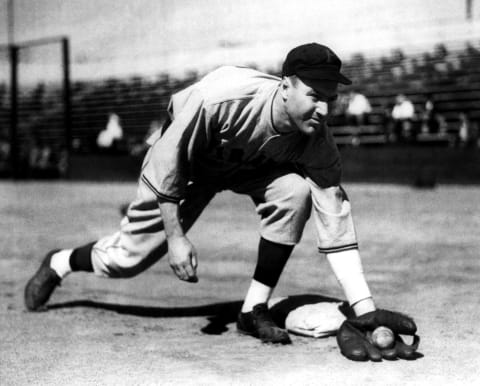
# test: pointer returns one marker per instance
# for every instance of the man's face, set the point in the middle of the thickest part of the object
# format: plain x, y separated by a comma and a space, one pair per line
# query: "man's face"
307, 107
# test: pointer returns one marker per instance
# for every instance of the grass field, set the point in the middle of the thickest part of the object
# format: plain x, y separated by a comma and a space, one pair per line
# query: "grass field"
420, 252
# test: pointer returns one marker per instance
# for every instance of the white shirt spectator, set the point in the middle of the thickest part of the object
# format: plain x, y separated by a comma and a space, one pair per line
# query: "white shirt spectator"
403, 109
358, 105
112, 132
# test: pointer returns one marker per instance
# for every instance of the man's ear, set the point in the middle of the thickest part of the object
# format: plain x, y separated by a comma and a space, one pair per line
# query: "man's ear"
285, 86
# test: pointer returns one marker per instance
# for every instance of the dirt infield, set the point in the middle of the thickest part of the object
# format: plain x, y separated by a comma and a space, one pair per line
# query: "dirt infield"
420, 251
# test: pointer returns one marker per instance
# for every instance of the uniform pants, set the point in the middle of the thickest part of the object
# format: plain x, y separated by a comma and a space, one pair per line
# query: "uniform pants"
282, 200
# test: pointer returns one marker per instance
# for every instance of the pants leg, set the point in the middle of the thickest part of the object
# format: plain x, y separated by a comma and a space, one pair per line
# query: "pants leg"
283, 201
141, 240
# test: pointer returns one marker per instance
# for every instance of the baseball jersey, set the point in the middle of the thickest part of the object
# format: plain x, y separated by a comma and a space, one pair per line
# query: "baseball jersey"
222, 125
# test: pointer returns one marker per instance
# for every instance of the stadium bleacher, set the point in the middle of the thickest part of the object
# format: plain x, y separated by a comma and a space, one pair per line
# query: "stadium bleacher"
451, 78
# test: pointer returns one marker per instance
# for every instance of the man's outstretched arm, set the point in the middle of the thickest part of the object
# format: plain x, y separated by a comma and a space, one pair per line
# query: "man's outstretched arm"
181, 252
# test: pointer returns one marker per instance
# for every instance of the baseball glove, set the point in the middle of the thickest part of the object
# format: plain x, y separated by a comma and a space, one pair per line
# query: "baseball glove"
354, 344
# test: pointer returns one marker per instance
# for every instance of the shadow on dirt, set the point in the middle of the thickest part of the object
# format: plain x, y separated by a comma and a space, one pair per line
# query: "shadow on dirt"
219, 315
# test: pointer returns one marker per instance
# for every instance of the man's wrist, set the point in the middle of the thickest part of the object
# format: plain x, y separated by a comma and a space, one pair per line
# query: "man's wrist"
171, 221
364, 306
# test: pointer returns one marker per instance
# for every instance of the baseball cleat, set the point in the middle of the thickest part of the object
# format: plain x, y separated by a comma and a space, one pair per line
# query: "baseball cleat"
41, 285
259, 323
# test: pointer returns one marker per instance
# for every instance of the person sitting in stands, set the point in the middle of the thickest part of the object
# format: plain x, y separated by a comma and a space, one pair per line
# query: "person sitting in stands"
403, 113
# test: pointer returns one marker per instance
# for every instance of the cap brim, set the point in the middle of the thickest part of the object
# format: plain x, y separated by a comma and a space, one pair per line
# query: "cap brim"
343, 79
323, 74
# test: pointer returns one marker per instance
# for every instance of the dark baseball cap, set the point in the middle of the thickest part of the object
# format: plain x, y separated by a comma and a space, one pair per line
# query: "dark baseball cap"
314, 61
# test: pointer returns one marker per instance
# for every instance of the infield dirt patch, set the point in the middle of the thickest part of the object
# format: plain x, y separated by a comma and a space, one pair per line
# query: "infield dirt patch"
420, 254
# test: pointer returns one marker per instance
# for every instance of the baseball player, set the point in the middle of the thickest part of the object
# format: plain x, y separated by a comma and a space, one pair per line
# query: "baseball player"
254, 134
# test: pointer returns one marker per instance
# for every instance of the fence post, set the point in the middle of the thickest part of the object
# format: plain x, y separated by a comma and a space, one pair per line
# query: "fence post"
14, 151
67, 95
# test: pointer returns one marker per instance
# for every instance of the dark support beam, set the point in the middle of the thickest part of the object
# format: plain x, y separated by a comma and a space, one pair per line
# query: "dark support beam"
14, 151
67, 94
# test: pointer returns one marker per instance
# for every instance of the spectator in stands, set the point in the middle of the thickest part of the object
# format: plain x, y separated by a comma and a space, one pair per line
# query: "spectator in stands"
39, 157
442, 124
467, 131
430, 121
469, 59
386, 121
109, 138
42, 161
426, 66
358, 109
403, 113
4, 154
357, 112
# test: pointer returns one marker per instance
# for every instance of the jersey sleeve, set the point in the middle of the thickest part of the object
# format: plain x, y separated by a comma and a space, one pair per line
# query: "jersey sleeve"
321, 161
167, 165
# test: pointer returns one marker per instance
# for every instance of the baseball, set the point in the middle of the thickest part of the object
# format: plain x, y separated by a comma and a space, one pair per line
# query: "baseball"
383, 337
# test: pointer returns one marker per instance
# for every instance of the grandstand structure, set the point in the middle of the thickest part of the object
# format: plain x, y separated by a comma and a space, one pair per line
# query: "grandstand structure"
452, 78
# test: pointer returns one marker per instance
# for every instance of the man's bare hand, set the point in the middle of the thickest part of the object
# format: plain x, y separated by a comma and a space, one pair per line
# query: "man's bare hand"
183, 258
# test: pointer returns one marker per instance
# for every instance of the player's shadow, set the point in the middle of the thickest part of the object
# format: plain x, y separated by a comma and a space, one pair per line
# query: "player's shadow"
219, 315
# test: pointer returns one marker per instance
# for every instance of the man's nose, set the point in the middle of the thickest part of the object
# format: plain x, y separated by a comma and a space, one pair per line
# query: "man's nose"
321, 108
